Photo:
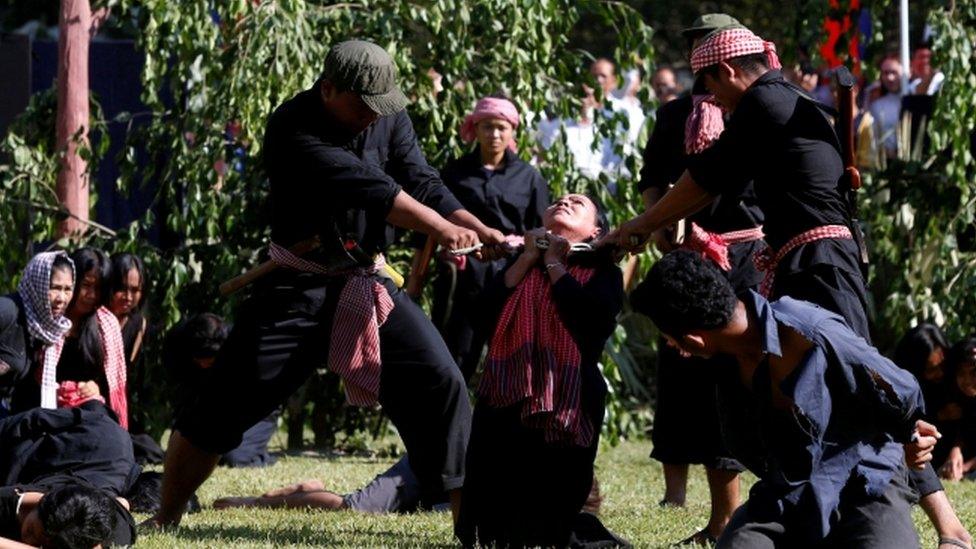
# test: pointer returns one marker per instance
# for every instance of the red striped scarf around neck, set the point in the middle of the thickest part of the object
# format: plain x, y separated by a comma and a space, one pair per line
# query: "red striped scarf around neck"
533, 360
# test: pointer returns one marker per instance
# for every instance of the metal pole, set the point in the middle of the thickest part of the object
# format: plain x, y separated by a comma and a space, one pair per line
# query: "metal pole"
905, 61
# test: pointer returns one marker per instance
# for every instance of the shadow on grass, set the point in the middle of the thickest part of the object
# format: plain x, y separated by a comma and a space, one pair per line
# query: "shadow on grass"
346, 537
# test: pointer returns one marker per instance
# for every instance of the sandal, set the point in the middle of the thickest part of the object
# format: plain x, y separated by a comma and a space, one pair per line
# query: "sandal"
702, 537
954, 542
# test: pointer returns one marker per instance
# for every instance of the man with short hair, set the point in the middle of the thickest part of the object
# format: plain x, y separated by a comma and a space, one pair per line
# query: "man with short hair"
809, 406
665, 85
68, 517
344, 166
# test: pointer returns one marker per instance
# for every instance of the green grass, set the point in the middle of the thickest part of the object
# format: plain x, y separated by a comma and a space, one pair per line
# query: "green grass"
632, 485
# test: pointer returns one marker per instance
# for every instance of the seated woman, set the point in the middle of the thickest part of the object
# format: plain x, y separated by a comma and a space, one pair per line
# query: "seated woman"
188, 354
959, 431
127, 300
537, 422
32, 321
91, 362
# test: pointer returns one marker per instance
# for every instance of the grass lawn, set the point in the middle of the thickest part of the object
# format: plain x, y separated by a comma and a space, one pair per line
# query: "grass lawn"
632, 485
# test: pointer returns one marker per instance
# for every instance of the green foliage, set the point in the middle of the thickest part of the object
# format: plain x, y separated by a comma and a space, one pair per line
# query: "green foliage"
920, 209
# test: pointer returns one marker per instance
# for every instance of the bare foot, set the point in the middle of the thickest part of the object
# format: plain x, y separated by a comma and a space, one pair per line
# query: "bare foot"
304, 486
227, 503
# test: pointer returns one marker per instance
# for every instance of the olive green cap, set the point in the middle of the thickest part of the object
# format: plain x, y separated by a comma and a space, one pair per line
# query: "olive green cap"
366, 69
710, 22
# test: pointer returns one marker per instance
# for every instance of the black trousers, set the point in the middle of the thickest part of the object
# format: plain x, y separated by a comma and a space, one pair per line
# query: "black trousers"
281, 335
864, 523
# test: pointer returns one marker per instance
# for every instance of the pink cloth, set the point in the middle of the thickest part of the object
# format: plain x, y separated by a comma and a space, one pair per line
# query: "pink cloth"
704, 125
69, 397
731, 43
490, 107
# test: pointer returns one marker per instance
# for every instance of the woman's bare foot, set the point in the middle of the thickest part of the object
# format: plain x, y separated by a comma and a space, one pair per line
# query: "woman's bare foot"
303, 486
227, 503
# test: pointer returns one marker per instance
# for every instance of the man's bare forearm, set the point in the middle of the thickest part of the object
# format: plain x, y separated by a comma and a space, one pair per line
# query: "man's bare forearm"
684, 199
408, 213
466, 219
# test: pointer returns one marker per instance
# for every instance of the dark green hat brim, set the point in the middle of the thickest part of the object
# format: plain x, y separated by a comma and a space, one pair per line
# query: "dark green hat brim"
387, 103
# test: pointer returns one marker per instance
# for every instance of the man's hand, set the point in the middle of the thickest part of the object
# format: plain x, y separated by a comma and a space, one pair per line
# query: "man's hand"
453, 237
953, 467
494, 242
918, 452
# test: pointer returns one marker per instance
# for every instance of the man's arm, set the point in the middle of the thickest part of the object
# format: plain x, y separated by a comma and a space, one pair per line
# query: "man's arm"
407, 213
686, 198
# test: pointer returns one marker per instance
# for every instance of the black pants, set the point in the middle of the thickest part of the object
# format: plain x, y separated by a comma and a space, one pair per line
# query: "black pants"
864, 522
833, 288
282, 335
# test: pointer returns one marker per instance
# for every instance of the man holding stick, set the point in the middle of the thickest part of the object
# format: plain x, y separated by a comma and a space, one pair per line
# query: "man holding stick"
783, 141
344, 165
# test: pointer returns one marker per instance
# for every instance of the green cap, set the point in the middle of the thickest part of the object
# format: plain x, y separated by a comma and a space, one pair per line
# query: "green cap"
710, 22
366, 69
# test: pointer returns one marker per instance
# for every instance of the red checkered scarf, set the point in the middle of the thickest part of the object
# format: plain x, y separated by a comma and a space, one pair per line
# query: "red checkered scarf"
767, 261
704, 125
354, 344
729, 44
534, 360
715, 246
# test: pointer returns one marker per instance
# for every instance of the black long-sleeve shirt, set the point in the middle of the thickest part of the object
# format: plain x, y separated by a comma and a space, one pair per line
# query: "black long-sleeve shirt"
665, 160
784, 143
511, 198
324, 179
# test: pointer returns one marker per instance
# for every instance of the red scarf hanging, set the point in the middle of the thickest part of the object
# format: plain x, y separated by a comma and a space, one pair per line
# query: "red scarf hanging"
534, 360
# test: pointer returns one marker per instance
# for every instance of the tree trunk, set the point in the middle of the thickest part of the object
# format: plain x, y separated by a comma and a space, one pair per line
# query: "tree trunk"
75, 31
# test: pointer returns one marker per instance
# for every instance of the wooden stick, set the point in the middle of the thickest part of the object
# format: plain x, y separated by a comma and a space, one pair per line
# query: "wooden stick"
419, 267
262, 270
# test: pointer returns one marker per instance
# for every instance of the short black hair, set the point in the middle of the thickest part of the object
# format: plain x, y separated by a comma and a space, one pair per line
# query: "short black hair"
684, 292
912, 352
77, 516
752, 63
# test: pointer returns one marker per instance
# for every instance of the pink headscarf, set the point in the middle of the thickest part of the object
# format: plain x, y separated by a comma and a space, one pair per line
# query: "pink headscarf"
730, 43
490, 107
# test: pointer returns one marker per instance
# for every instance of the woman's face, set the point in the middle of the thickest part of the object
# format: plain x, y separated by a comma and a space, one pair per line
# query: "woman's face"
933, 366
494, 134
128, 296
966, 377
59, 293
572, 217
89, 294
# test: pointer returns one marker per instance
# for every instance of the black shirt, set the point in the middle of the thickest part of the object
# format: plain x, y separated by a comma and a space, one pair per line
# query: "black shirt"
665, 160
783, 142
323, 178
16, 344
510, 198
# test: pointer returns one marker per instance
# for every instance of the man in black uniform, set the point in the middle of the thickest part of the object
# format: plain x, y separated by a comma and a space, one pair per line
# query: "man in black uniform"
686, 423
344, 164
783, 141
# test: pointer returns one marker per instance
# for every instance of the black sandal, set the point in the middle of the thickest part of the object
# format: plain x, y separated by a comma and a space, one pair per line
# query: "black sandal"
702, 537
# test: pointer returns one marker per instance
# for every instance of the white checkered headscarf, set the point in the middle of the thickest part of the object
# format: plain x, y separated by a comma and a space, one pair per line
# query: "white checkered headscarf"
33, 289
729, 44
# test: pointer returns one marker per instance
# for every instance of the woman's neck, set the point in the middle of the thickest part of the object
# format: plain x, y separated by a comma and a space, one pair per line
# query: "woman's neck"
491, 159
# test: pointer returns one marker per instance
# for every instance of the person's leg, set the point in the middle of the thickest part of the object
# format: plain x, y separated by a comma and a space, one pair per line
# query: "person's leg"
299, 499
273, 347
675, 483
723, 486
745, 531
943, 517
875, 522
832, 288
423, 393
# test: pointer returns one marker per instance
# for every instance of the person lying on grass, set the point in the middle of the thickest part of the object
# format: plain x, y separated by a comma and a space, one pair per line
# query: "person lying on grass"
819, 415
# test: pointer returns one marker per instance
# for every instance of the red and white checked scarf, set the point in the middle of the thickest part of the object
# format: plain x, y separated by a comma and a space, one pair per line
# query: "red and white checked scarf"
731, 43
767, 262
114, 362
715, 246
354, 344
534, 360
704, 125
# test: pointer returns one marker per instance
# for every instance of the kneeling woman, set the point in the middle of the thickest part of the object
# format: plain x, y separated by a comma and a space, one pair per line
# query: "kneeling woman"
541, 400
